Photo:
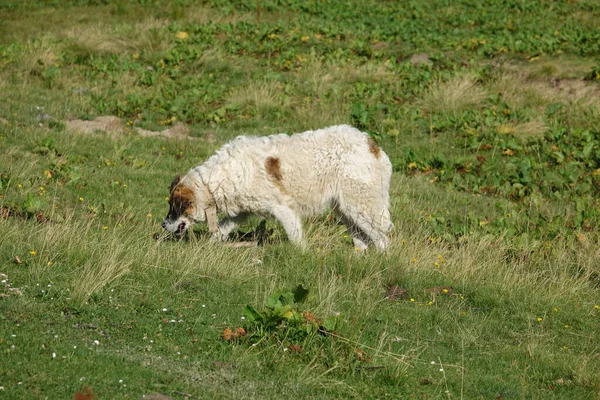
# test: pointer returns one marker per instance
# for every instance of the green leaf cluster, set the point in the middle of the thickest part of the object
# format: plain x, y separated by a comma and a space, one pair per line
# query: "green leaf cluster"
281, 317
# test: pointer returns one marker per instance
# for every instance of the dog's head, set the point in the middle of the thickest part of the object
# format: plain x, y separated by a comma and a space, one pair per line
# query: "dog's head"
184, 208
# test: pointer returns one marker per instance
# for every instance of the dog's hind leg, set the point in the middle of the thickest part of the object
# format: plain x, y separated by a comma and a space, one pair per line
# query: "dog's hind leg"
290, 222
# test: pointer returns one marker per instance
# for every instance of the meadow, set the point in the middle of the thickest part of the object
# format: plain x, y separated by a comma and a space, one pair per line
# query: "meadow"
489, 111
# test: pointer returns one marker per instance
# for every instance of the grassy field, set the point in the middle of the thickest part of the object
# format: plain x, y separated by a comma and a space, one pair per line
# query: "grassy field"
489, 111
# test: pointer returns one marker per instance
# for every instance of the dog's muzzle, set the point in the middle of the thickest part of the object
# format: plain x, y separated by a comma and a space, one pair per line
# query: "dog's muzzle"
181, 228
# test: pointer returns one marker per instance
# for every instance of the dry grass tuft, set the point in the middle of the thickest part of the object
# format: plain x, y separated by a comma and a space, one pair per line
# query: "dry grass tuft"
452, 96
102, 269
535, 128
202, 15
95, 39
520, 91
260, 97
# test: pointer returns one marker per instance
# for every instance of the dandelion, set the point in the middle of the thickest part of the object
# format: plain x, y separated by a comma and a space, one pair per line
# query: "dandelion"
566, 326
149, 215
182, 35
20, 186
565, 347
81, 199
33, 252
412, 300
430, 303
105, 227
596, 306
305, 38
540, 319
414, 260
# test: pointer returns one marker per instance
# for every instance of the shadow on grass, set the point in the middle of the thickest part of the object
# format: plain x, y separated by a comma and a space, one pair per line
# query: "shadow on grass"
261, 235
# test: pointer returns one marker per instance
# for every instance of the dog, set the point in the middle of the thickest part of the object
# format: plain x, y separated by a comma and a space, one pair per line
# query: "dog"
289, 177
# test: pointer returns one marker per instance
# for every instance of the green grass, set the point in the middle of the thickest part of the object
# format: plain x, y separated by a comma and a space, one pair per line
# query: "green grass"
496, 152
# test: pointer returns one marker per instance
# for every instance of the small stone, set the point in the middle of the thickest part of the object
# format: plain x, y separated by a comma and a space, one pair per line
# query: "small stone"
420, 58
396, 292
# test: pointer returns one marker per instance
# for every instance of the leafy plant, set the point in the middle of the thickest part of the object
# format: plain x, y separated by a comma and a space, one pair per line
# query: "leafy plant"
282, 317
32, 204
4, 181
594, 74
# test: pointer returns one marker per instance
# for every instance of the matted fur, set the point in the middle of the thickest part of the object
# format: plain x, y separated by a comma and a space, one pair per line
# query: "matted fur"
290, 177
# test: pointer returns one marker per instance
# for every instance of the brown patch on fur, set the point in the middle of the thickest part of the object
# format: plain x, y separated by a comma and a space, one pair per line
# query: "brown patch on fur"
182, 199
273, 167
374, 148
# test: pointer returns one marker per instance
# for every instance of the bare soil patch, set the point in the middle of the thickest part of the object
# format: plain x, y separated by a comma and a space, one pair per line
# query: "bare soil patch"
113, 126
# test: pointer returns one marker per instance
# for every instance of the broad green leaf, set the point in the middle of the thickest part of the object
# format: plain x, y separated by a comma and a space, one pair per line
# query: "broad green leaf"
300, 294
330, 324
32, 204
273, 301
251, 314
287, 298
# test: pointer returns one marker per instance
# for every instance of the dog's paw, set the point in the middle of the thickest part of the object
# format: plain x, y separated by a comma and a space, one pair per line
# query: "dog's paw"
218, 237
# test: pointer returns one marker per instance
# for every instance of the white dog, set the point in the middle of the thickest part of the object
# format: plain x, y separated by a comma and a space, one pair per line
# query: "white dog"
289, 177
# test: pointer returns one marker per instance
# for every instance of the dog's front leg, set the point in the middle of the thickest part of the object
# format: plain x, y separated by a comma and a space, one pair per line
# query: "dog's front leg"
227, 225
291, 223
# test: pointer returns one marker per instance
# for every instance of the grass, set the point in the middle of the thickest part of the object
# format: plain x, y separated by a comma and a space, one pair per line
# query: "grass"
496, 153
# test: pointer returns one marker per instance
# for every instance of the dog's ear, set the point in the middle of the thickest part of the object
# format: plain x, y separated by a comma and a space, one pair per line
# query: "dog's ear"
174, 183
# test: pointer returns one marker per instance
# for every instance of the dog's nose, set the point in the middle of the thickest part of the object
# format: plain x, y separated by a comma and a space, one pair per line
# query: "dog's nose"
164, 224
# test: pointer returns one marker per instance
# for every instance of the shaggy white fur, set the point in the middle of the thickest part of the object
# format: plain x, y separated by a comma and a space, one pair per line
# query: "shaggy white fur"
290, 177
